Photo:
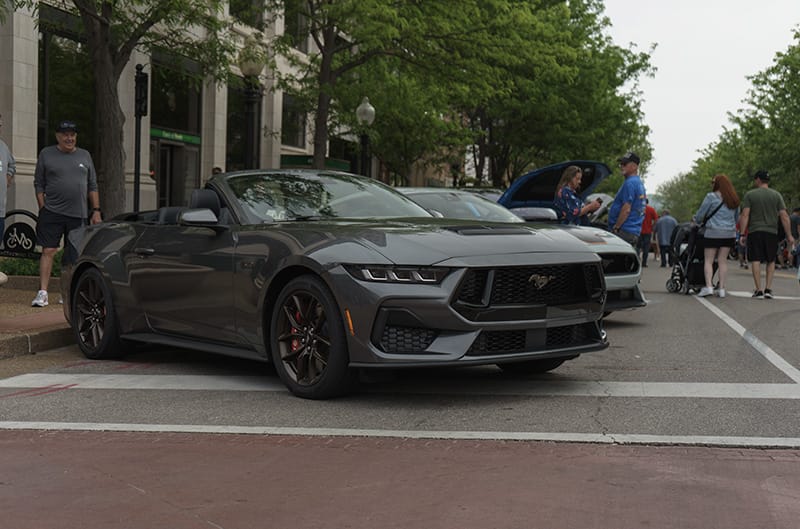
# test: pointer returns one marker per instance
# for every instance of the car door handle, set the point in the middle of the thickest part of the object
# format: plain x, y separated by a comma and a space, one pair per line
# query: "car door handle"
144, 251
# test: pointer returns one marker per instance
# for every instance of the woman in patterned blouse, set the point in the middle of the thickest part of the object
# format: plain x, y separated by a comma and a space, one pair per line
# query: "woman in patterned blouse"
569, 206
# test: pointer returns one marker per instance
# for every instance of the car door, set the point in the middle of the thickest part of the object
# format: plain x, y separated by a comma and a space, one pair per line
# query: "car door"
537, 188
182, 276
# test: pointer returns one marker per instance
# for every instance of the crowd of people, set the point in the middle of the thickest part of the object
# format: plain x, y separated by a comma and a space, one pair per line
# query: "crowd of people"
757, 227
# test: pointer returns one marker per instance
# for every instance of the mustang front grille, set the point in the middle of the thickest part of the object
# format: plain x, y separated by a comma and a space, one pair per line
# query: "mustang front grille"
535, 285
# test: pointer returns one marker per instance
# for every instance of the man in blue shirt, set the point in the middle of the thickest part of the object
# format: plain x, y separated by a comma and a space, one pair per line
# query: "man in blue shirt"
627, 211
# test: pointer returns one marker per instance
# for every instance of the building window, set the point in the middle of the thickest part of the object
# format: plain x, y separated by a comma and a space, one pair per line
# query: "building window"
293, 123
237, 129
248, 12
295, 23
66, 80
175, 100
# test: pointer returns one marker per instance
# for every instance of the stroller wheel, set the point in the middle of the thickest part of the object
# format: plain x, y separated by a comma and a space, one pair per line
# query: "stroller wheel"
673, 286
685, 288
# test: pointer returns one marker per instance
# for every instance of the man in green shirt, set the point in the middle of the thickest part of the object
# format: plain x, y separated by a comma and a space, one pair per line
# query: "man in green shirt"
762, 208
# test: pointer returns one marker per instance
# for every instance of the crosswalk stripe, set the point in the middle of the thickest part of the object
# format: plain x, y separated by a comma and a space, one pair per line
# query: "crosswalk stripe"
606, 438
490, 387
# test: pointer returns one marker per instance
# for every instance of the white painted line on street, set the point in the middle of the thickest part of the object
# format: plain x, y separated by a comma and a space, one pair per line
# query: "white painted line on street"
491, 387
784, 442
766, 351
147, 382
743, 294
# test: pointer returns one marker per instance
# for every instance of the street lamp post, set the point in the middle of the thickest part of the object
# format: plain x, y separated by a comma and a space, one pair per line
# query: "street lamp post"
365, 114
251, 63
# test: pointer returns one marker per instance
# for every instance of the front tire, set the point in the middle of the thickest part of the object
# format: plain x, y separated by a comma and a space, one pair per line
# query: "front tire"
308, 342
94, 320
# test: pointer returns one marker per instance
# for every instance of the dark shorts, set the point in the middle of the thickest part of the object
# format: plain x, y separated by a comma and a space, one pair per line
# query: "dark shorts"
52, 227
719, 243
630, 238
762, 247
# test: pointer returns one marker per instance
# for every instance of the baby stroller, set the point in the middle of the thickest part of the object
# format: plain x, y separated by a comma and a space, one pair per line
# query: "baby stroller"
686, 247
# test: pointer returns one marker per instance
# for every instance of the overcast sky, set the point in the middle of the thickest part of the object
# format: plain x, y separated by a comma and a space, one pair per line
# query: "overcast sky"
706, 49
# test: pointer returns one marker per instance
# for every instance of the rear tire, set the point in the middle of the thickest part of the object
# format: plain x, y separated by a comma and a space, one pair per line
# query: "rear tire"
308, 341
94, 320
532, 367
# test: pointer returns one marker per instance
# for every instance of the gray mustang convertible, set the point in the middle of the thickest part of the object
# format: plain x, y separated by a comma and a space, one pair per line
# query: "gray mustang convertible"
327, 273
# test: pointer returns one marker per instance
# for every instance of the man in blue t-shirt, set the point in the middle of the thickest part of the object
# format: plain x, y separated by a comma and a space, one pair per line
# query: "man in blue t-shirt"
627, 211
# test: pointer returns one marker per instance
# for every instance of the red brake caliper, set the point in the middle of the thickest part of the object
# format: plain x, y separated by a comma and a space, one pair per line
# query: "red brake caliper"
296, 341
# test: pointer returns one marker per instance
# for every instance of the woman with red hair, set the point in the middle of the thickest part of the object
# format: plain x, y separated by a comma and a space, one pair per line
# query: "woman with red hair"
720, 210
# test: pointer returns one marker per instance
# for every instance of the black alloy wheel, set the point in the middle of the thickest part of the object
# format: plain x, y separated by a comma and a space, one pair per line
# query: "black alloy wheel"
93, 318
309, 347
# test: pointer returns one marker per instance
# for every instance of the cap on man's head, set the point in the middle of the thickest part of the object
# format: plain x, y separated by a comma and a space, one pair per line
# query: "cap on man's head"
630, 157
66, 125
762, 175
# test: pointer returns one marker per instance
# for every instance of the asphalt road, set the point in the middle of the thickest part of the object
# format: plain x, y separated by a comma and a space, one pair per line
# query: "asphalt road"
718, 377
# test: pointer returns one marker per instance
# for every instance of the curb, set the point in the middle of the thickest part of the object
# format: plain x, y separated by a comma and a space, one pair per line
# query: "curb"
20, 344
28, 338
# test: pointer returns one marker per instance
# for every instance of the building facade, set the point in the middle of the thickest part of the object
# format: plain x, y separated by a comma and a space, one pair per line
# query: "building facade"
188, 131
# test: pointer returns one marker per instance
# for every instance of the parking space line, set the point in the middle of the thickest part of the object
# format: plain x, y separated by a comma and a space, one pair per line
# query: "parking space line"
606, 438
534, 388
763, 349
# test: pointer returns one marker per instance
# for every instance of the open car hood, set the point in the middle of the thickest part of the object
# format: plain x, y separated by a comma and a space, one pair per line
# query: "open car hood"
537, 188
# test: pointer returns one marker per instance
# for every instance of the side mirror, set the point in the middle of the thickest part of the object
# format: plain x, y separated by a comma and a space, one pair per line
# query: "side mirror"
203, 218
199, 217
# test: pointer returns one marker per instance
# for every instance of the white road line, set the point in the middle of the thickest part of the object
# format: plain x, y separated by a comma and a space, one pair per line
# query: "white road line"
491, 387
646, 439
766, 351
743, 294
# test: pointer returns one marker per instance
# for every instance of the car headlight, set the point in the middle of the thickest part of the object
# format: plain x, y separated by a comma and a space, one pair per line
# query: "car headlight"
398, 274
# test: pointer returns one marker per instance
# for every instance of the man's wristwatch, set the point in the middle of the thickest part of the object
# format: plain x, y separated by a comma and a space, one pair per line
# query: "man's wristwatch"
96, 209
616, 229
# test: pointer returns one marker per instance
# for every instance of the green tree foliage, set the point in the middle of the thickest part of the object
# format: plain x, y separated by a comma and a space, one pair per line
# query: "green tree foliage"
527, 82
763, 135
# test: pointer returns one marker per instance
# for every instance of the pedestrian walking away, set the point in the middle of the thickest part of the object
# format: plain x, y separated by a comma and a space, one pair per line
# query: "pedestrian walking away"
569, 206
64, 180
720, 211
8, 167
762, 209
663, 229
626, 214
794, 219
646, 236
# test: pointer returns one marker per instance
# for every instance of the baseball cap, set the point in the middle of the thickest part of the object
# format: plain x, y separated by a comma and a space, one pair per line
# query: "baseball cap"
65, 125
762, 175
630, 157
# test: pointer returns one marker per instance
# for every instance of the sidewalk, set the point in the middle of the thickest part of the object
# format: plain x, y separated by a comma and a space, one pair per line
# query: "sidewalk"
28, 330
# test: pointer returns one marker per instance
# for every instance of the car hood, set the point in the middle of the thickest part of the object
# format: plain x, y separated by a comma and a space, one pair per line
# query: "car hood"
433, 241
537, 188
598, 239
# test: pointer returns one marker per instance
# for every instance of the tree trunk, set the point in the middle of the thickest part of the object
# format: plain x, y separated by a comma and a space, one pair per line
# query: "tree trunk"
109, 119
110, 160
325, 80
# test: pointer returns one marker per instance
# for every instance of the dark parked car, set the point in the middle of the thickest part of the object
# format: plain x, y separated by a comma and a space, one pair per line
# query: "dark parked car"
324, 273
537, 188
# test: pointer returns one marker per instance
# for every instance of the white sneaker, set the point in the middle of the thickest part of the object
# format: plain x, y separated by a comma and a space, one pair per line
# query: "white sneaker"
721, 293
40, 300
705, 291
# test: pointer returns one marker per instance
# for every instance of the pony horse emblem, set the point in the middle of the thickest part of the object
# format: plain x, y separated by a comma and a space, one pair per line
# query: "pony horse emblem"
540, 281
